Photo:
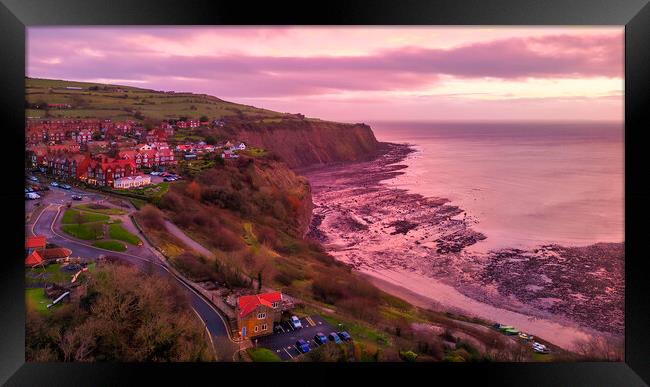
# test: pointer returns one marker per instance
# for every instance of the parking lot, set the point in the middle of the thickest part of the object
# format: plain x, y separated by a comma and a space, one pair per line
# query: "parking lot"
283, 341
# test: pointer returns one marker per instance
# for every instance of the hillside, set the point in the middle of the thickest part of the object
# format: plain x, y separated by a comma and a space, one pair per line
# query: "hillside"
299, 141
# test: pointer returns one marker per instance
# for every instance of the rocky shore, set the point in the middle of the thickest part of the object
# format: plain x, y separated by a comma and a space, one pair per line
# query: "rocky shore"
378, 228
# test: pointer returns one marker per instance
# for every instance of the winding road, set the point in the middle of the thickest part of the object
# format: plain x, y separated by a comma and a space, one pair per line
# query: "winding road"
46, 223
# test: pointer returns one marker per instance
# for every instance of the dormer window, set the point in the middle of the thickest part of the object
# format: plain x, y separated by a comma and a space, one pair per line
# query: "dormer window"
261, 315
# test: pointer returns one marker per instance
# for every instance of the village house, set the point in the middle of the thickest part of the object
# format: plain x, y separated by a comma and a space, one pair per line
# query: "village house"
149, 155
229, 154
132, 181
67, 166
34, 259
104, 171
257, 313
35, 243
168, 128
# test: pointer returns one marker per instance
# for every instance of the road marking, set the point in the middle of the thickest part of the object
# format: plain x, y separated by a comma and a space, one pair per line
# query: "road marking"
214, 351
144, 260
288, 352
309, 320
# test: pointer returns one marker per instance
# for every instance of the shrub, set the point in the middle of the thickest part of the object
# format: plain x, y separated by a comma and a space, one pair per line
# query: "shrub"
409, 356
326, 289
192, 266
151, 217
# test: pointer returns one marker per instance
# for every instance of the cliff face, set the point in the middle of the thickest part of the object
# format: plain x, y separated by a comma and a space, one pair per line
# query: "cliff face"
313, 142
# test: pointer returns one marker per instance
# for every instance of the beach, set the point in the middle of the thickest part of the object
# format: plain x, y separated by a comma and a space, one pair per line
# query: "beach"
422, 248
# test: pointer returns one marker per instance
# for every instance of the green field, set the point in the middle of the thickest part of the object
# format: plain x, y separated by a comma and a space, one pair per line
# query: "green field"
262, 355
51, 274
116, 231
110, 245
122, 102
150, 193
85, 231
36, 300
71, 217
100, 210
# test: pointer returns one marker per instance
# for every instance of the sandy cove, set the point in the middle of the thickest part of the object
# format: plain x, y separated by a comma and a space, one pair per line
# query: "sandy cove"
415, 248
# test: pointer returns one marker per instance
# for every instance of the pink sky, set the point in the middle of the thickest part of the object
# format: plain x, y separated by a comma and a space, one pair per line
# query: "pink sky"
356, 73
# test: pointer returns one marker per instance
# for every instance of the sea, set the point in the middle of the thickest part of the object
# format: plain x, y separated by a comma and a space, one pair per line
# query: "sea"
524, 184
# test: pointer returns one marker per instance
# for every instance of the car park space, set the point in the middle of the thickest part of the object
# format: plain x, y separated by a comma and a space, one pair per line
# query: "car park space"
283, 340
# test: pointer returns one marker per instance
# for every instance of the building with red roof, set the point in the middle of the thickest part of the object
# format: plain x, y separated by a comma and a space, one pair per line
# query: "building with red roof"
34, 243
257, 313
33, 259
103, 170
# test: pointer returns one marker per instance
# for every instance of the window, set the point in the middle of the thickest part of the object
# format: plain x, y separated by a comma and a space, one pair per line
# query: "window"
261, 315
257, 328
276, 304
264, 327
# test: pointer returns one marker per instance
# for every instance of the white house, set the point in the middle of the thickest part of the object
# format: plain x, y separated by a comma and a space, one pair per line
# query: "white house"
132, 181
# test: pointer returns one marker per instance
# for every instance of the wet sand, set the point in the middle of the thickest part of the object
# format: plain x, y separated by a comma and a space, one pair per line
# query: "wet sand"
417, 248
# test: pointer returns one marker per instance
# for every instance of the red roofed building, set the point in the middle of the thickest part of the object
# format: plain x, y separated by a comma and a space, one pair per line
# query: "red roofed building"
33, 259
104, 171
35, 243
257, 313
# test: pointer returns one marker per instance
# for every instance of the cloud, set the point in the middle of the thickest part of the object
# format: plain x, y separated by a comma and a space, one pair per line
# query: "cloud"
158, 58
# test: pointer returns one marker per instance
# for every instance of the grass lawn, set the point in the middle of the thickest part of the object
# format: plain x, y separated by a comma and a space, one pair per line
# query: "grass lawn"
149, 192
137, 203
110, 245
36, 300
262, 355
116, 231
70, 217
358, 331
255, 152
51, 274
100, 209
85, 231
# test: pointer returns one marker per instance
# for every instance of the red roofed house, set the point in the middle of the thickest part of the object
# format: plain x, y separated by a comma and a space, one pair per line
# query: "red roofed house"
103, 171
33, 259
257, 313
34, 243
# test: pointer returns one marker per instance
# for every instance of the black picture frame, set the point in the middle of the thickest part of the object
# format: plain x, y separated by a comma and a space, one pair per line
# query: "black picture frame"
16, 15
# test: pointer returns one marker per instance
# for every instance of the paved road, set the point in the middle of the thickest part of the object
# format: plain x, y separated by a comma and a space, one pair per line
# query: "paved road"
47, 224
189, 242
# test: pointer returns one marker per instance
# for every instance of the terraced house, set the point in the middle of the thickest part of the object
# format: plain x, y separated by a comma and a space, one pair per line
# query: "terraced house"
104, 171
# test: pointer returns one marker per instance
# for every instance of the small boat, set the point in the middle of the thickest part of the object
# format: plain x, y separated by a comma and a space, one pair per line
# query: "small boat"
524, 336
504, 327
511, 331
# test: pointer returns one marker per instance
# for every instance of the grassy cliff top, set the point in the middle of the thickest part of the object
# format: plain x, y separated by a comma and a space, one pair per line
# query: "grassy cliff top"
97, 100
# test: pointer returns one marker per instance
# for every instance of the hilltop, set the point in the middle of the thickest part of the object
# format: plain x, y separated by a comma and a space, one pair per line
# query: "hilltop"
297, 140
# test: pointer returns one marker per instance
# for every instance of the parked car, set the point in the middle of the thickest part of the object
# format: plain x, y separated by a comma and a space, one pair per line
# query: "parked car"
65, 186
35, 188
334, 337
295, 322
345, 336
76, 197
155, 173
32, 196
54, 184
302, 346
320, 338
29, 189
525, 336
540, 348
33, 178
